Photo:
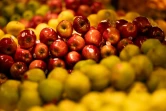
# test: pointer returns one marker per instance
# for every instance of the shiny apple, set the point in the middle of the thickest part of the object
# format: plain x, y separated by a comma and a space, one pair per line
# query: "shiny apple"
38, 64
55, 62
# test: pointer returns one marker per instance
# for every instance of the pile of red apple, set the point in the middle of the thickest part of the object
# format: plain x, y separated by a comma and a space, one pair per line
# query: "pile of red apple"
72, 42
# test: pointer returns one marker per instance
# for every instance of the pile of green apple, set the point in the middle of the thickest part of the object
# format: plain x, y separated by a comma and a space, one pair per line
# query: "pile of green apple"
104, 60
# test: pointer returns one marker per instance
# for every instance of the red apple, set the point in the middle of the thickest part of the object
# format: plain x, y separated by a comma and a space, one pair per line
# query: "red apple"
128, 30
40, 51
3, 78
36, 19
38, 64
6, 62
55, 62
111, 35
26, 39
50, 15
72, 4
156, 32
81, 24
64, 29
87, 2
25, 22
91, 52
123, 43
83, 10
23, 55
103, 25
96, 6
93, 37
142, 24
72, 58
18, 69
48, 35
119, 23
7, 46
55, 5
108, 50
76, 42
139, 40
58, 48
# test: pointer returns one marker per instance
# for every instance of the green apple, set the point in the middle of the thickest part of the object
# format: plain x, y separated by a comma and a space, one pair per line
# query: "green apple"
28, 86
109, 108
15, 17
34, 74
138, 87
20, 7
42, 10
79, 107
77, 85
50, 107
129, 51
110, 61
148, 44
158, 99
83, 63
50, 90
33, 5
98, 74
28, 14
8, 10
157, 55
92, 101
66, 104
3, 21
157, 79
142, 65
29, 99
59, 74
9, 94
122, 75
36, 108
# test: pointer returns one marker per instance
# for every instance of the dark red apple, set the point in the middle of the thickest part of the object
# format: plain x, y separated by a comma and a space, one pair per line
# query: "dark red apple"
91, 52
72, 4
128, 30
40, 51
108, 50
38, 64
6, 62
7, 46
139, 40
23, 55
3, 78
55, 5
50, 15
96, 6
81, 24
36, 19
26, 39
123, 43
93, 37
18, 69
76, 42
143, 24
87, 2
156, 32
72, 58
103, 25
48, 35
55, 62
112, 35
83, 10
119, 23
58, 48
64, 29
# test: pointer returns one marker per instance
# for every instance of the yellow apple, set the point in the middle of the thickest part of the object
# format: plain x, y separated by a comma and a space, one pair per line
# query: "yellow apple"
66, 15
53, 23
92, 19
38, 29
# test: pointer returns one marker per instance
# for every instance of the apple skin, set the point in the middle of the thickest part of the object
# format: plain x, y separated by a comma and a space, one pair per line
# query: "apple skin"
38, 64
48, 35
55, 62
72, 58
6, 62
93, 37
119, 23
26, 39
96, 6
83, 10
50, 15
18, 69
91, 52
58, 48
103, 25
123, 43
55, 5
7, 46
23, 55
40, 51
108, 50
128, 30
139, 40
72, 4
112, 35
81, 24
35, 20
3, 78
76, 42
64, 29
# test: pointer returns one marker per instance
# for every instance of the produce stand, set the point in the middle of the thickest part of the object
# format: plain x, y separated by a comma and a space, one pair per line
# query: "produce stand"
82, 55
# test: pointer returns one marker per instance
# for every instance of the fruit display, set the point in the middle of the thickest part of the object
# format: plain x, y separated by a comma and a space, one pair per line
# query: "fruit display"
81, 55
